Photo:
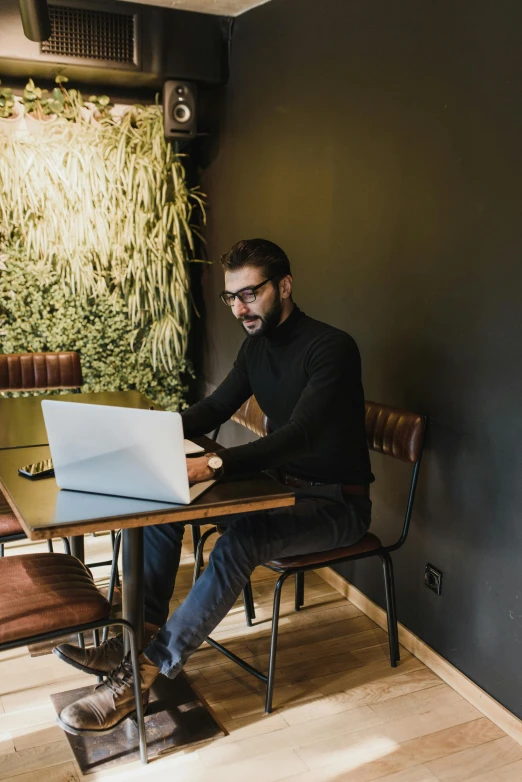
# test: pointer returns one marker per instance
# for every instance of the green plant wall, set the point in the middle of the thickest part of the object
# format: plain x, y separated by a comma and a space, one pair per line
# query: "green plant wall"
96, 237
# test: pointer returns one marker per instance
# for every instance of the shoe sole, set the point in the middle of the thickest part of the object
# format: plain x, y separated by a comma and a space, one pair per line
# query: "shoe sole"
78, 666
93, 732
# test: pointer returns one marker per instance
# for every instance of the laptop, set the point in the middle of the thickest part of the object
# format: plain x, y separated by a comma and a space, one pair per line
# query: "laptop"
120, 451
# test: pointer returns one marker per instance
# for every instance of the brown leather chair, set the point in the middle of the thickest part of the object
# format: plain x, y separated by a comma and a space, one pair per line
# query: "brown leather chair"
33, 372
40, 371
46, 596
389, 431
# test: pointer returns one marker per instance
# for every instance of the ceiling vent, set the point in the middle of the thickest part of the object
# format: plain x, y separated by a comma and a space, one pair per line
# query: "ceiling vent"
92, 36
115, 44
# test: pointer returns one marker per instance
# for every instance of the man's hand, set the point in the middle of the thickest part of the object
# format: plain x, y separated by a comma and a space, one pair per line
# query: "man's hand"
198, 469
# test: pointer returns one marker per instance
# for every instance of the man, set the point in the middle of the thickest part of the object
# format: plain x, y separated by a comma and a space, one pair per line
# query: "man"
306, 376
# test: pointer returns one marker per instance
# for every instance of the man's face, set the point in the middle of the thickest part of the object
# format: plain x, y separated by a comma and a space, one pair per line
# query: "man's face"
262, 315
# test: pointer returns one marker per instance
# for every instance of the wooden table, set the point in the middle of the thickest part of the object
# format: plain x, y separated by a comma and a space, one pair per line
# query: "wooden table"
44, 511
22, 424
21, 418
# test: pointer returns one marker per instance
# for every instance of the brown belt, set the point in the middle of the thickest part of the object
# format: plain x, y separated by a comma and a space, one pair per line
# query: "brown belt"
346, 488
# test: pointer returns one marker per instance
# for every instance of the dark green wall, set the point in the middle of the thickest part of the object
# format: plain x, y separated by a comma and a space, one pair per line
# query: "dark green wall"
380, 144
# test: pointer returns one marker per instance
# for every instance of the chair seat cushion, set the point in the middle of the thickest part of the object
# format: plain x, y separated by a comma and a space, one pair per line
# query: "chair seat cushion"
9, 524
367, 544
40, 593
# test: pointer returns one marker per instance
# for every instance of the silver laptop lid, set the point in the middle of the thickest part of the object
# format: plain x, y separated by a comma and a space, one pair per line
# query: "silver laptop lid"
117, 450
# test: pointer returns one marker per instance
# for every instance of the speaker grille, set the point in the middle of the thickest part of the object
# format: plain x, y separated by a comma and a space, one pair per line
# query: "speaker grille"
92, 35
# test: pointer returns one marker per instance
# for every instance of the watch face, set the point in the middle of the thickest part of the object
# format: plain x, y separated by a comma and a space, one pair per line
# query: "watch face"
215, 462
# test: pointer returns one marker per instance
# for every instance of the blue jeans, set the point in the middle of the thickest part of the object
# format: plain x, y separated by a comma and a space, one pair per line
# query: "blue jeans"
321, 519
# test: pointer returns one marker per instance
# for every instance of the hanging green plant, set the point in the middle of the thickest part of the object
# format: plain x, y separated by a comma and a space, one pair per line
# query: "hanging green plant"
66, 103
106, 206
37, 314
7, 102
36, 102
101, 105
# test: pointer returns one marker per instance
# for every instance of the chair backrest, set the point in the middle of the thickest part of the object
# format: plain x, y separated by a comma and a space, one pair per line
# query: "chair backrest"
40, 371
251, 416
389, 430
394, 432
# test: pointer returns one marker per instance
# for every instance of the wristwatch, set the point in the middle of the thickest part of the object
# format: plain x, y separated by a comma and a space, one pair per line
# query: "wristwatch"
215, 463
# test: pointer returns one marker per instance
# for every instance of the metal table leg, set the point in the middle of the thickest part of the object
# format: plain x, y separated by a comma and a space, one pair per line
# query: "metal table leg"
77, 544
176, 717
133, 579
78, 547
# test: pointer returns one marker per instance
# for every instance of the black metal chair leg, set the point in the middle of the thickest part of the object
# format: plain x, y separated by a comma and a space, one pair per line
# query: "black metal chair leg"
140, 711
66, 546
391, 610
251, 595
196, 535
248, 600
114, 570
114, 576
113, 541
1, 549
199, 552
299, 590
273, 642
50, 546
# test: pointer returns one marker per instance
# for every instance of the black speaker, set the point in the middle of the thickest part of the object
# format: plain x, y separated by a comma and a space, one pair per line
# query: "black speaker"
35, 19
179, 109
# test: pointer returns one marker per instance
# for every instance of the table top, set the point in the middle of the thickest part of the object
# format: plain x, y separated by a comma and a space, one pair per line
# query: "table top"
45, 511
22, 423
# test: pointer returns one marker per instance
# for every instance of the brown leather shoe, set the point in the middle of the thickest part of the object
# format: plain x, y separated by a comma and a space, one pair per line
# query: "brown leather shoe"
110, 703
100, 660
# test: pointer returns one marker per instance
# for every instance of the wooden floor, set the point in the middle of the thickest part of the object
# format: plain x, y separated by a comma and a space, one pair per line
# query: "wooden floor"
341, 712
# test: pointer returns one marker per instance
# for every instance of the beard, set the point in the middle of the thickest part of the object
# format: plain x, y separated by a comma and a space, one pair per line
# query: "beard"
267, 323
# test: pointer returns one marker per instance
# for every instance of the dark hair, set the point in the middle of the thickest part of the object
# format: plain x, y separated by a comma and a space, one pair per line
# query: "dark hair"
258, 253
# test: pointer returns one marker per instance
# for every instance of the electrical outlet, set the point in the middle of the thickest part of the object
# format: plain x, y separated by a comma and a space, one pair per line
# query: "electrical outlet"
433, 579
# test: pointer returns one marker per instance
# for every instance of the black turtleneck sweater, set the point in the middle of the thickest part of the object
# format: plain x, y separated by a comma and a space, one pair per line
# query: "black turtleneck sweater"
306, 377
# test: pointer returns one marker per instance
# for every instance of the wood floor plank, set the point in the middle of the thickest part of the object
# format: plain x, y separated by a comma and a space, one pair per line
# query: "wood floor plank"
423, 700
290, 674
39, 695
336, 772
218, 754
360, 687
379, 755
6, 743
28, 717
479, 760
206, 656
510, 773
395, 732
65, 772
247, 727
316, 632
35, 736
274, 766
34, 759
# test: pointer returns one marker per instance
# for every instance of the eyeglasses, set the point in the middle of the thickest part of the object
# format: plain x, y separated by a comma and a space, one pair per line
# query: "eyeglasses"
245, 296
